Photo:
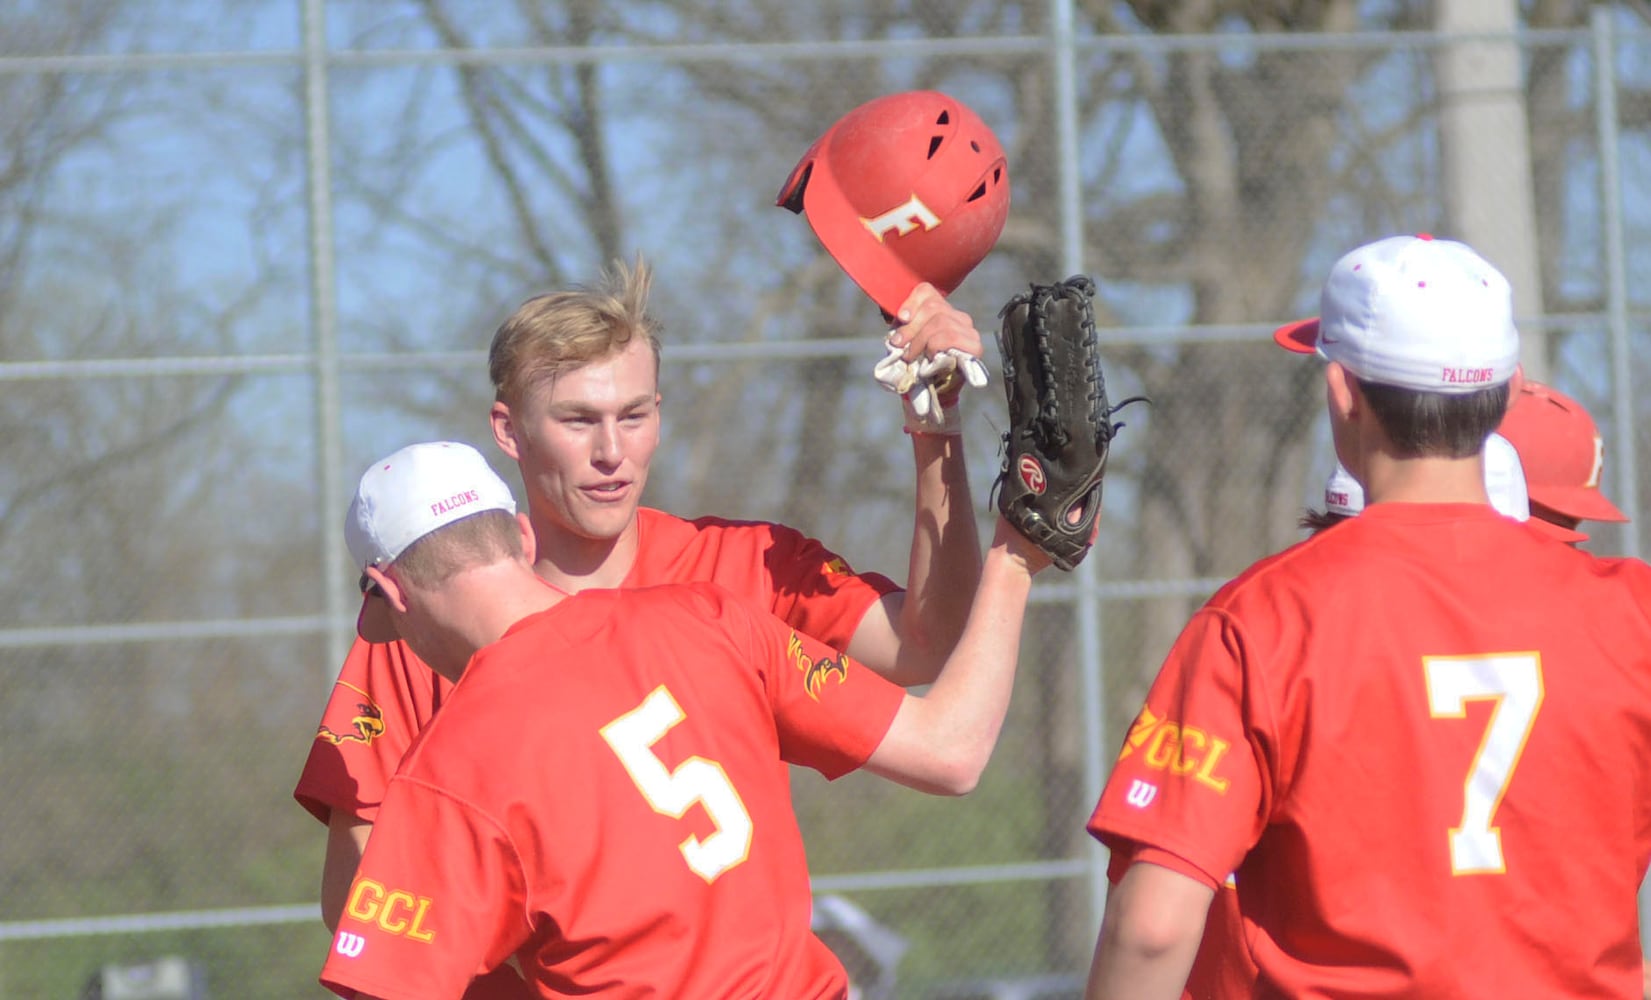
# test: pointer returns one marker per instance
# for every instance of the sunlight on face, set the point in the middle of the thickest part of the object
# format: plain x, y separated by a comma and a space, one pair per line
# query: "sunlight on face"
584, 442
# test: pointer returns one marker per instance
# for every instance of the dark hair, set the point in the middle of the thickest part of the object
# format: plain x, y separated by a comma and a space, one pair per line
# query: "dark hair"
1435, 424
1314, 521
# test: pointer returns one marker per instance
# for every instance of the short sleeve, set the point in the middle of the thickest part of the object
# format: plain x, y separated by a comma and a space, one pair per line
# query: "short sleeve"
383, 697
815, 590
1190, 778
830, 712
438, 898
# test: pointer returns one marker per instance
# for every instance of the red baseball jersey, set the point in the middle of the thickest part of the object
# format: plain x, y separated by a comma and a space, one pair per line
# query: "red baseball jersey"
385, 695
1423, 742
606, 796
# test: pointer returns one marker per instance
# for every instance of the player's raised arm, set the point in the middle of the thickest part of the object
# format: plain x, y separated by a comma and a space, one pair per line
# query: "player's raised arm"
940, 742
1049, 499
909, 192
908, 635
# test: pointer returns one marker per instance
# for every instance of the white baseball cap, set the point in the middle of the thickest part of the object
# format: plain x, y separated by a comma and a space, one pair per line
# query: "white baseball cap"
1342, 493
1504, 482
413, 492
1505, 479
1414, 312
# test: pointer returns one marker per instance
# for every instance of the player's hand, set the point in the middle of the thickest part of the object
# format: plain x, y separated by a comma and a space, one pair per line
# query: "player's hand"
933, 351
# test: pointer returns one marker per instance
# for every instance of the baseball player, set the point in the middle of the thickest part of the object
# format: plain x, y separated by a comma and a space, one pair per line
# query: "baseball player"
1564, 456
1223, 966
605, 794
578, 408
1393, 732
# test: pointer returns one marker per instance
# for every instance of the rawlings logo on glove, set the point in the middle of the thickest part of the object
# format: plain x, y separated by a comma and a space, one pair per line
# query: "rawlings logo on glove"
1060, 422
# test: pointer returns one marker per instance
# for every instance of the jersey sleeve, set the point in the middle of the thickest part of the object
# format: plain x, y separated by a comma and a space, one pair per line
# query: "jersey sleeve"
439, 897
816, 592
1191, 778
830, 712
383, 697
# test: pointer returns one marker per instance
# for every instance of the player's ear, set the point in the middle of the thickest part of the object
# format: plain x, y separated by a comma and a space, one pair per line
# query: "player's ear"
375, 623
1515, 383
504, 429
1341, 392
388, 587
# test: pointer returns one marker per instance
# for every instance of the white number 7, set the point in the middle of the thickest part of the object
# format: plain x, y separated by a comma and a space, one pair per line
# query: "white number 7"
1514, 682
673, 793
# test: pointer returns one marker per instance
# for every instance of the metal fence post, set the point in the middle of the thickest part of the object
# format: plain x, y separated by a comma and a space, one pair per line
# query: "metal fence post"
1616, 307
1087, 606
324, 317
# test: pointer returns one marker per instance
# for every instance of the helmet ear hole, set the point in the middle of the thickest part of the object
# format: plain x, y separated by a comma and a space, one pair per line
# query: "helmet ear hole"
792, 197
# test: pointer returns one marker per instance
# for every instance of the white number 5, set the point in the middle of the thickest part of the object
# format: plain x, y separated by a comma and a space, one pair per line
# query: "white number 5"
673, 793
1514, 682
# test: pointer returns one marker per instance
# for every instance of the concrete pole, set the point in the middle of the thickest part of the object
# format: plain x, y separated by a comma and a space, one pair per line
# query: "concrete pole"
1486, 156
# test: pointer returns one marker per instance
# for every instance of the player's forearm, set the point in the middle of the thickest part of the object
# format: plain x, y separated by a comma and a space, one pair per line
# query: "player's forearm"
942, 741
945, 559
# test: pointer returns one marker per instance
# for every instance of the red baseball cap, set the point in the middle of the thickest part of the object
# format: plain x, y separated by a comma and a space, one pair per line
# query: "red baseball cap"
1569, 536
1562, 452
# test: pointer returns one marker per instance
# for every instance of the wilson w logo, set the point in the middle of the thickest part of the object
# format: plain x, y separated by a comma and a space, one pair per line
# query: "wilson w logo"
1141, 793
350, 945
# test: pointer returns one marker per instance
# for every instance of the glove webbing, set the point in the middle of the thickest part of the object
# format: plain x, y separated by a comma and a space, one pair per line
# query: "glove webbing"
1050, 430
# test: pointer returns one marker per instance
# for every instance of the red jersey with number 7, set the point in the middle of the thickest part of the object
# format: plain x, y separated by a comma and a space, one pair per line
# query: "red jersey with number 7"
1423, 743
606, 797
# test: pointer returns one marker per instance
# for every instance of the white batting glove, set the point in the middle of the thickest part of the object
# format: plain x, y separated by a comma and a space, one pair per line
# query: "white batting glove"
894, 372
920, 384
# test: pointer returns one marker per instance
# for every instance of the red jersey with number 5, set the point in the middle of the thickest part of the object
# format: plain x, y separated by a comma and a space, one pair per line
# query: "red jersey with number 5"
385, 695
1423, 742
606, 796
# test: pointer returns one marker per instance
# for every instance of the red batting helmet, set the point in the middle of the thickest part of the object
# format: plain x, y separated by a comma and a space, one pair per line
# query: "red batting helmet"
904, 189
1562, 452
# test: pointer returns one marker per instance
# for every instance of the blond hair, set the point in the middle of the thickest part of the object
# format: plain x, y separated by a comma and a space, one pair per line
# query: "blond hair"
550, 334
478, 540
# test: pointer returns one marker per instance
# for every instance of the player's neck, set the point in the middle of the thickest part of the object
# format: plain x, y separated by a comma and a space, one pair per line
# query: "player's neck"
479, 605
572, 563
1425, 480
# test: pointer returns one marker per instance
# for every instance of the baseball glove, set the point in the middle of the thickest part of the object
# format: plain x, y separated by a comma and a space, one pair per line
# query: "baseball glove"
1060, 422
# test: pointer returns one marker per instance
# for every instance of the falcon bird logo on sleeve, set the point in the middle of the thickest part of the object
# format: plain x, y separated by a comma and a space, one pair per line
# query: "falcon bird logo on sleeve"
365, 726
815, 672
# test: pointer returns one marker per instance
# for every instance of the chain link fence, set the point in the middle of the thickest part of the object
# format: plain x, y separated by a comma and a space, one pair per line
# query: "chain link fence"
243, 251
